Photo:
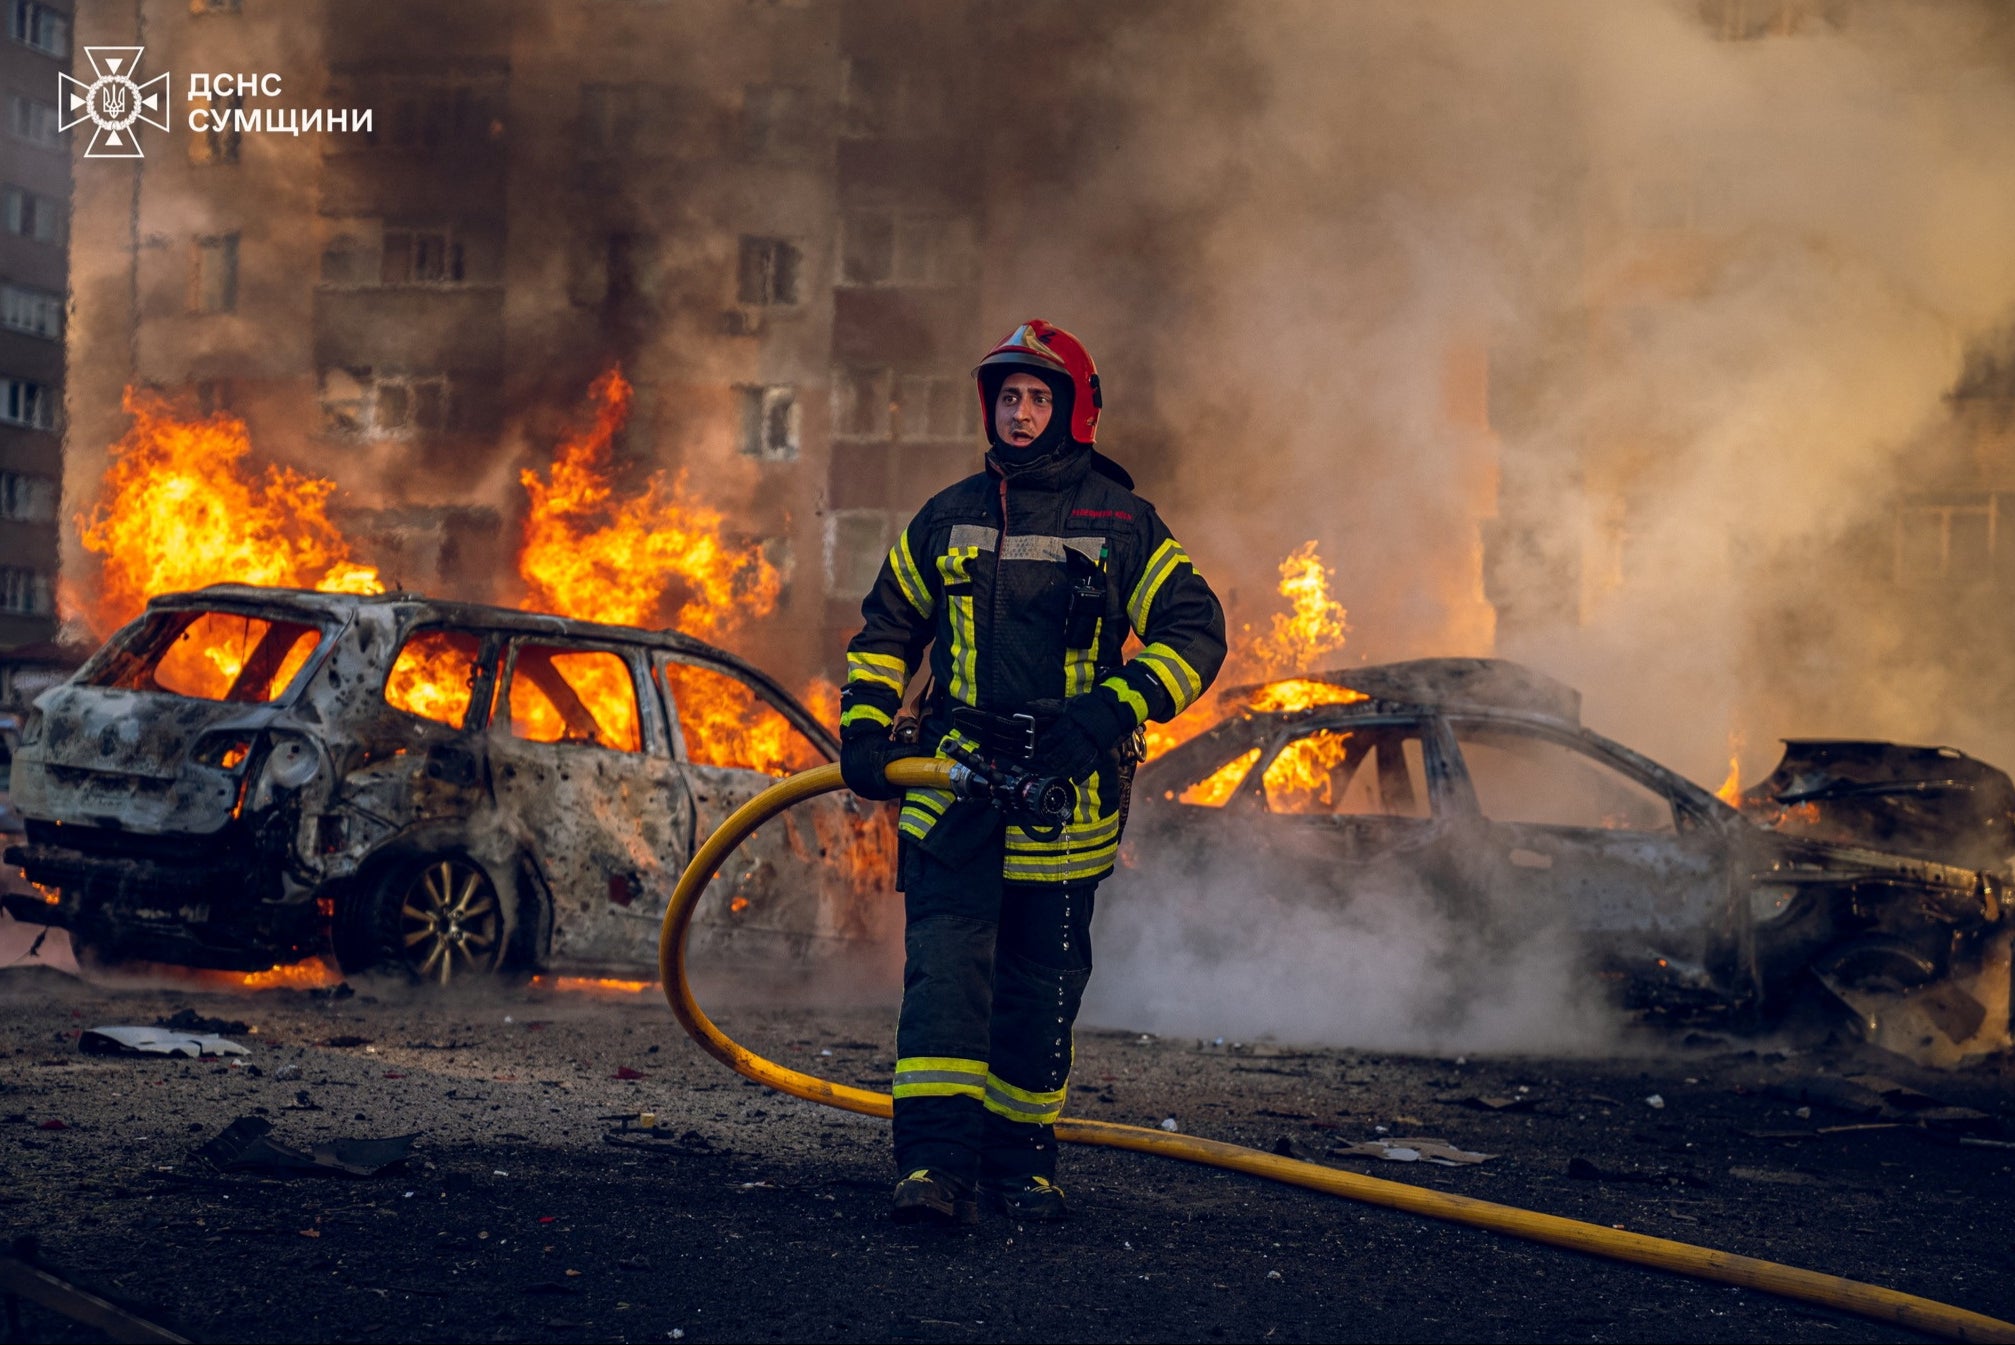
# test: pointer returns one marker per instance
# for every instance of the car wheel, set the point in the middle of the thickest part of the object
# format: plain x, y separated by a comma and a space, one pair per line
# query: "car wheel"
438, 920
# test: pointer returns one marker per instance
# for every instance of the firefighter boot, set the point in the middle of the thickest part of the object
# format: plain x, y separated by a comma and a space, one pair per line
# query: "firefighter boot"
1036, 1200
927, 1197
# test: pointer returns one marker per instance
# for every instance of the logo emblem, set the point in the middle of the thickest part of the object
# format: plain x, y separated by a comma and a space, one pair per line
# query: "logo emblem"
113, 102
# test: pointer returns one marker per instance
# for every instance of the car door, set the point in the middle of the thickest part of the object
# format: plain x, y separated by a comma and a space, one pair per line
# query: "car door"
816, 878
1567, 835
583, 766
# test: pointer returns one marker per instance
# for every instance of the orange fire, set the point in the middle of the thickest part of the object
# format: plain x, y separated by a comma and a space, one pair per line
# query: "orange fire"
593, 985
181, 508
645, 559
1731, 788
1314, 627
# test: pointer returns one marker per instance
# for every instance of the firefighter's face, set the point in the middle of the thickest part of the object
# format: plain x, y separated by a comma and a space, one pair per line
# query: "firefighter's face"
1022, 409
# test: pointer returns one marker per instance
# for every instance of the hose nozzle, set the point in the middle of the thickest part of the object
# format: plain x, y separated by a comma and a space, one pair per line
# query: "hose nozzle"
1039, 804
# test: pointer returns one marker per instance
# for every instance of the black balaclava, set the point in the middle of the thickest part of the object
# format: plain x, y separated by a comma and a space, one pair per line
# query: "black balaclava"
1054, 441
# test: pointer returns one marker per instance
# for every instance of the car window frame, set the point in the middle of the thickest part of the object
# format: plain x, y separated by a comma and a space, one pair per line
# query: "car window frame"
482, 692
332, 628
676, 732
651, 737
1251, 792
1624, 763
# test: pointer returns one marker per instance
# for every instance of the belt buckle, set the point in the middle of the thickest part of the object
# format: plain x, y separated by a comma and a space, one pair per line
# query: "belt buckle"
1025, 723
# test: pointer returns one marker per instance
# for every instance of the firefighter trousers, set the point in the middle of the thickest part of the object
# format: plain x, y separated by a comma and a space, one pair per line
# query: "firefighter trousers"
993, 974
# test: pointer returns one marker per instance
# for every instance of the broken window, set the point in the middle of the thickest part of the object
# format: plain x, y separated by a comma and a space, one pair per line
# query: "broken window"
578, 697
1525, 779
36, 312
1217, 789
27, 498
435, 675
372, 404
213, 281
768, 272
1375, 772
770, 423
207, 655
30, 215
25, 402
723, 723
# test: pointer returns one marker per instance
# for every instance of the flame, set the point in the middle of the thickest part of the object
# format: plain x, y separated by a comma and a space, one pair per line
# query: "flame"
181, 508
1731, 788
1314, 627
1300, 779
593, 984
638, 559
1216, 789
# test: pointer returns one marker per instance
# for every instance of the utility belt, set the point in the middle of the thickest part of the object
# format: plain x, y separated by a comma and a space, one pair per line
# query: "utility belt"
1006, 737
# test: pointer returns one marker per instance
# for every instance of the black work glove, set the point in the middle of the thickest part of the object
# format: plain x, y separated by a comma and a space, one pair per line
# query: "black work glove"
1090, 726
864, 763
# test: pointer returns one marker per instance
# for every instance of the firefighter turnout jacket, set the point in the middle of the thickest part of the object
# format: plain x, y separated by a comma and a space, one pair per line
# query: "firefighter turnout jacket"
1024, 583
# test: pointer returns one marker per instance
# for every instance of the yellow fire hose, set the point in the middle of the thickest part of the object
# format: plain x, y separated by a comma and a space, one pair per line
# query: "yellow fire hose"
1830, 1291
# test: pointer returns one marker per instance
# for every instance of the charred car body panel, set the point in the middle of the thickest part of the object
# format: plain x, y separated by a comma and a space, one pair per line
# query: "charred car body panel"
255, 815
1474, 782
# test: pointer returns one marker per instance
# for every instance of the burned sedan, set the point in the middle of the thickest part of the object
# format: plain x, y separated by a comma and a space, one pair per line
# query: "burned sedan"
244, 777
1868, 876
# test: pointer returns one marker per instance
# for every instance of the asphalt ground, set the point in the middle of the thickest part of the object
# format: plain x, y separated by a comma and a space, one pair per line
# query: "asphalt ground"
534, 1207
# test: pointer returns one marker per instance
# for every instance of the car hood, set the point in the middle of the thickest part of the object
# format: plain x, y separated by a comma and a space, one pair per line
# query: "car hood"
1927, 803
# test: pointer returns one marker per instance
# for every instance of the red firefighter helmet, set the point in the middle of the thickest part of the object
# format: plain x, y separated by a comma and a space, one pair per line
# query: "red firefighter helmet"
1049, 349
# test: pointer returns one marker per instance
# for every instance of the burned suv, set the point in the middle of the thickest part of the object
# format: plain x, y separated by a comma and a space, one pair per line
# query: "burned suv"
247, 776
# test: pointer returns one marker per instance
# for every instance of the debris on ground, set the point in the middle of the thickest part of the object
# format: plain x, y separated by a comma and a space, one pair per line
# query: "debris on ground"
121, 1040
188, 1020
247, 1144
1411, 1149
1582, 1170
1518, 1101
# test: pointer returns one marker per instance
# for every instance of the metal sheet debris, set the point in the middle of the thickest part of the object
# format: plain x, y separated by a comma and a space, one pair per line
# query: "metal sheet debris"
247, 1144
155, 1041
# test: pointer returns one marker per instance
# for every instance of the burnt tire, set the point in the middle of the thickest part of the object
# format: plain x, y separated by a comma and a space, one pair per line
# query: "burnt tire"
437, 919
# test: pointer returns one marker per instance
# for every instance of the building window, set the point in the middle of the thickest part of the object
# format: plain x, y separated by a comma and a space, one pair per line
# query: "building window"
36, 312
27, 498
770, 423
213, 281
377, 405
221, 137
928, 407
33, 216
776, 121
34, 122
857, 541
38, 26
768, 272
215, 6
24, 590
879, 248
420, 257
861, 400
891, 99
1946, 540
26, 402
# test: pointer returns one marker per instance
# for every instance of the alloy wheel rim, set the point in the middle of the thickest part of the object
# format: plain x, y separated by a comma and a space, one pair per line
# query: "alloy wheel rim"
450, 922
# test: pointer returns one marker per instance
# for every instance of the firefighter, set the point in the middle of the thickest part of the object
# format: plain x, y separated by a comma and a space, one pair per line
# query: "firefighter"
1023, 581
